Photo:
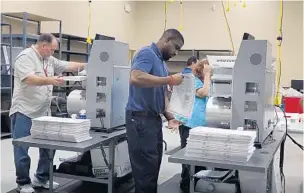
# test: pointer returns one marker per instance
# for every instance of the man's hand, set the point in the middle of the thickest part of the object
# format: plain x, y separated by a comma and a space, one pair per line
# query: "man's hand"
75, 67
176, 79
56, 81
174, 124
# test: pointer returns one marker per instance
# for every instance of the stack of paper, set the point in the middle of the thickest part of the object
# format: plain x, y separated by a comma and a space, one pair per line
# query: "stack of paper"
74, 78
220, 144
61, 129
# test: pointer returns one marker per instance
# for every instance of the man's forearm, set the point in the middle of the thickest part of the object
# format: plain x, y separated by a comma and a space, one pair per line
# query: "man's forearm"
34, 80
146, 80
75, 66
169, 116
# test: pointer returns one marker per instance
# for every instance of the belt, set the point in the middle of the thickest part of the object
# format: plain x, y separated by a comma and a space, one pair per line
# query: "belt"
144, 113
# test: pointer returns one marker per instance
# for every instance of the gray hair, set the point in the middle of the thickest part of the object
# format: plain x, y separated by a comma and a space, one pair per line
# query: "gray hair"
46, 37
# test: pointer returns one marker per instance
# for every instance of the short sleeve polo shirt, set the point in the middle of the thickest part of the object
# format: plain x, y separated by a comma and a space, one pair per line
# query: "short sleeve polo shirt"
148, 60
33, 101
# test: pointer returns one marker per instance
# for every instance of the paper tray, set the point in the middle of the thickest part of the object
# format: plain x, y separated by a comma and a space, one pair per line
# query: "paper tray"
74, 78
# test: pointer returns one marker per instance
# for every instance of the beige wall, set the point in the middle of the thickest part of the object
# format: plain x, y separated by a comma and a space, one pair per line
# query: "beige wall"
108, 17
203, 27
206, 29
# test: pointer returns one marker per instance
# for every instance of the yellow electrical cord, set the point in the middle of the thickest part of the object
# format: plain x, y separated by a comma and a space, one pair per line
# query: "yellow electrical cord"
181, 16
228, 6
89, 41
279, 67
228, 27
166, 7
244, 3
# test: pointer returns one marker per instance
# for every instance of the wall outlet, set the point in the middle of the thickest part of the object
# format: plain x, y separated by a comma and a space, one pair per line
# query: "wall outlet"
127, 8
213, 7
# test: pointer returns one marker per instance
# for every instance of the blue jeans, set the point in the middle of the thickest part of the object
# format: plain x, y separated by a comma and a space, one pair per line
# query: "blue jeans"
21, 126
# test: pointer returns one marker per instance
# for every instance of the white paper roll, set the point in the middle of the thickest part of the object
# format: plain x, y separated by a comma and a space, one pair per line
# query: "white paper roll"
76, 101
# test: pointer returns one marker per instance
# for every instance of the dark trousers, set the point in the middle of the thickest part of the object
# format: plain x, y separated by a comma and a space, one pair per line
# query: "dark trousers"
185, 175
145, 144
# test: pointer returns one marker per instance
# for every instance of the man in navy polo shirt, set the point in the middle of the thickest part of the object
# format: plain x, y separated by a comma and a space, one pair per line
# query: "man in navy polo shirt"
149, 81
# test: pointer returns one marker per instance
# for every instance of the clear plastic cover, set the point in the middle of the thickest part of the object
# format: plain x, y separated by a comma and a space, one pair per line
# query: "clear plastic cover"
183, 96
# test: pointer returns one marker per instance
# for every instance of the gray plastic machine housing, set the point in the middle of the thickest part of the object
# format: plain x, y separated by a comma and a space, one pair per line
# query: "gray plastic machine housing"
218, 108
253, 89
107, 84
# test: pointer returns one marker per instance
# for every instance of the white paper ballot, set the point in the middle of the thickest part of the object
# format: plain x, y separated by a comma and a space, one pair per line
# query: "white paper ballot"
183, 96
220, 144
74, 78
5, 54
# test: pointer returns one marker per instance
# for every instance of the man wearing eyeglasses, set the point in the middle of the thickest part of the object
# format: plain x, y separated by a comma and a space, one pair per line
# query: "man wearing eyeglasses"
34, 79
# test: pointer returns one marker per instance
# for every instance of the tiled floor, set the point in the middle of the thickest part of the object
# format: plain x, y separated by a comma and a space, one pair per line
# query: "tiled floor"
293, 167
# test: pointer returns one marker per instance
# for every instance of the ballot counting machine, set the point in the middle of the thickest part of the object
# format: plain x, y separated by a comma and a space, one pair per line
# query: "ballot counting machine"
241, 96
218, 109
103, 99
243, 90
106, 86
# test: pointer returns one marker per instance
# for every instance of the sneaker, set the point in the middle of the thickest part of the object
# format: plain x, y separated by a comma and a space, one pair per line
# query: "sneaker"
27, 188
38, 184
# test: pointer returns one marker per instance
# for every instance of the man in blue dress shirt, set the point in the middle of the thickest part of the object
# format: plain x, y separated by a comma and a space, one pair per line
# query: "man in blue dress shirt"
149, 82
202, 72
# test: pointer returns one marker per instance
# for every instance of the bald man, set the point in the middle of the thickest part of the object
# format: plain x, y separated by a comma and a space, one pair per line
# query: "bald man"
149, 79
34, 79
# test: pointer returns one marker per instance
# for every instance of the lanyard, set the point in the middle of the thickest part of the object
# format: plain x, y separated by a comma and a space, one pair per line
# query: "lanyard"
45, 69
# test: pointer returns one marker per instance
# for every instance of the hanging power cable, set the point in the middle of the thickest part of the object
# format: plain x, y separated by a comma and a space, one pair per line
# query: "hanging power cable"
181, 15
89, 41
166, 9
279, 63
228, 6
244, 4
227, 25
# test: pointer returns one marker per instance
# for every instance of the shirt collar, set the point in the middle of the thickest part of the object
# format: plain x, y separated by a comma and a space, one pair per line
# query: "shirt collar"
156, 50
187, 70
36, 51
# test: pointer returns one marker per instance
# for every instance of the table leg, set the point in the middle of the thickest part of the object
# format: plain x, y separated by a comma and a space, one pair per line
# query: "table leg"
253, 182
111, 177
192, 181
104, 156
51, 157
